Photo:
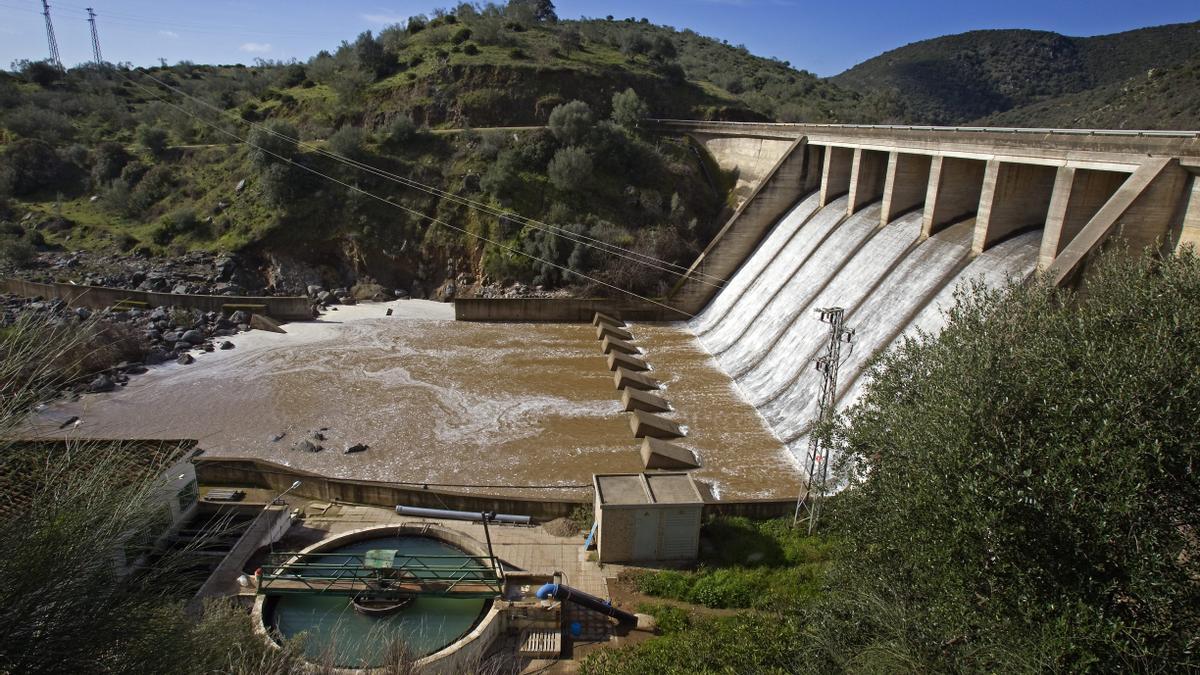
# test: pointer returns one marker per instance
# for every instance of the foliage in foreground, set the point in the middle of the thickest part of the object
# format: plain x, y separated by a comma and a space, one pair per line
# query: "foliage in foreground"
761, 564
1024, 490
1023, 498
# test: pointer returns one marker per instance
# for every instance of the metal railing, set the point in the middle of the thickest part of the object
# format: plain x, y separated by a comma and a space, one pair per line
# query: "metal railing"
407, 575
911, 127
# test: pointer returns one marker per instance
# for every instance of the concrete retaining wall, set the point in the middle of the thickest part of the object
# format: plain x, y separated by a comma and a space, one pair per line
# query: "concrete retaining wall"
257, 473
269, 525
558, 310
98, 297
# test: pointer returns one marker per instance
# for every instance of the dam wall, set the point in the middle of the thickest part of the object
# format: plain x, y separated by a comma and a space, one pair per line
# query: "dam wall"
99, 297
901, 218
1075, 187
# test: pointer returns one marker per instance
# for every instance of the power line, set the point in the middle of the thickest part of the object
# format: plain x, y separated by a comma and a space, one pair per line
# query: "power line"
605, 247
410, 211
95, 38
50, 39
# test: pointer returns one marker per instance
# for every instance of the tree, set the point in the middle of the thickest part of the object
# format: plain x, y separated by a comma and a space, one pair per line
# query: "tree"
370, 55
571, 121
662, 48
28, 165
543, 11
570, 169
273, 142
1023, 492
569, 40
628, 108
153, 139
348, 142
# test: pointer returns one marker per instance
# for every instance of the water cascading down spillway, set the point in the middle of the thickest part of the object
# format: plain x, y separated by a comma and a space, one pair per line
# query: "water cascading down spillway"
762, 327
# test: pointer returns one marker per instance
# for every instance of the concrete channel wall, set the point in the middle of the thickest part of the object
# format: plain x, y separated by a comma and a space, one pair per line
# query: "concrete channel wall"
559, 310
99, 297
258, 473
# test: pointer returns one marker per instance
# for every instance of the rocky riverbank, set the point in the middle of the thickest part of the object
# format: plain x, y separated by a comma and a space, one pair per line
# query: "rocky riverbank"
127, 341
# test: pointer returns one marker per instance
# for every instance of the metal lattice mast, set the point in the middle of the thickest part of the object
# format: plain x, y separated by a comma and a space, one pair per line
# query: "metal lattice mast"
53, 43
808, 505
95, 38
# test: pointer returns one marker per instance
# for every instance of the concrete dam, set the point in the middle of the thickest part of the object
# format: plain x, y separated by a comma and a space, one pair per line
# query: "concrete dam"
887, 222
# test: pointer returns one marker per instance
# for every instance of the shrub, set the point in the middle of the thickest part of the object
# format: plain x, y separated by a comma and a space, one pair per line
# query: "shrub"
155, 185
16, 251
517, 53
273, 142
570, 122
470, 49
179, 223
28, 121
1023, 492
402, 130
108, 159
628, 108
571, 169
461, 35
348, 142
28, 165
153, 139
503, 176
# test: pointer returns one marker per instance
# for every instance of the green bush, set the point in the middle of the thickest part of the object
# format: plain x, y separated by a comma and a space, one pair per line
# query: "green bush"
1023, 492
402, 130
571, 169
349, 141
153, 139
17, 251
272, 142
628, 109
461, 35
470, 49
29, 165
154, 186
571, 122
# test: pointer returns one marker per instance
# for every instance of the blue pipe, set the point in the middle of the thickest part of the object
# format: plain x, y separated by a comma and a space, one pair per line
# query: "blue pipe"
566, 593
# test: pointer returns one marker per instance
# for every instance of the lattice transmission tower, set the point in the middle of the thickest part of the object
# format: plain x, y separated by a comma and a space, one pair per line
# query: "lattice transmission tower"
808, 504
95, 38
53, 43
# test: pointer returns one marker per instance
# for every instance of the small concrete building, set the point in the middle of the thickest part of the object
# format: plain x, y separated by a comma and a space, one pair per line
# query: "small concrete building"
646, 517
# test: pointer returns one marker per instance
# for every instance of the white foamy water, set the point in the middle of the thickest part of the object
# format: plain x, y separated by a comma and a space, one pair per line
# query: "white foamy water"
763, 328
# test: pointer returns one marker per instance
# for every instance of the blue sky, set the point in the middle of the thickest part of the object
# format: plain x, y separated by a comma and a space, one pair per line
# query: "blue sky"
824, 37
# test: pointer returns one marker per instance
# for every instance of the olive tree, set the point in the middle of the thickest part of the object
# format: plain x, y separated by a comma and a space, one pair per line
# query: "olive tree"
1023, 491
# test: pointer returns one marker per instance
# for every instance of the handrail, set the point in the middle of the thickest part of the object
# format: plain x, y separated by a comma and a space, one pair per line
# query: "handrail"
915, 127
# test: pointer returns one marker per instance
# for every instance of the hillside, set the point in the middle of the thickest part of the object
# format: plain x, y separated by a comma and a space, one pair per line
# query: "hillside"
962, 78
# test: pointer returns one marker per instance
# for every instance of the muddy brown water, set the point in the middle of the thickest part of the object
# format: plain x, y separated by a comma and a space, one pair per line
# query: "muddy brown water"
442, 402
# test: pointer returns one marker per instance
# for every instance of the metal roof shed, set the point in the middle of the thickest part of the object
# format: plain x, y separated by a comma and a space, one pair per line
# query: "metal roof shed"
644, 517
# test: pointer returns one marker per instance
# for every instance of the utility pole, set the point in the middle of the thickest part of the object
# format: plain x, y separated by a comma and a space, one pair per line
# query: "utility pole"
50, 36
95, 39
808, 505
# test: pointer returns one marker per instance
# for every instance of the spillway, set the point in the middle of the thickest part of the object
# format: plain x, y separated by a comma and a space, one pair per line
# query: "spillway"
762, 327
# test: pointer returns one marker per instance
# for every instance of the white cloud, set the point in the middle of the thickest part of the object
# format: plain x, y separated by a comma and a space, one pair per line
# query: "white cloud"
168, 33
384, 18
256, 47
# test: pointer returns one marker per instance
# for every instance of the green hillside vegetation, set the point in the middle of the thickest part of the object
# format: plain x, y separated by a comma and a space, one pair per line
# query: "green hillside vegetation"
1164, 97
958, 79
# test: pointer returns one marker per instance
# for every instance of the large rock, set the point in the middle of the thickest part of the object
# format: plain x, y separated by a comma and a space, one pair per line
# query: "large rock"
306, 445
185, 359
102, 383
193, 336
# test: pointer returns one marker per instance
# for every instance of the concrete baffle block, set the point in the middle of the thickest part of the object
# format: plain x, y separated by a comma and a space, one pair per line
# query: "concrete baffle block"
658, 454
636, 399
262, 322
627, 379
604, 330
601, 317
612, 344
627, 361
646, 424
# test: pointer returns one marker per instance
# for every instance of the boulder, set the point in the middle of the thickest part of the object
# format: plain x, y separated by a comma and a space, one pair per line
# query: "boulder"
193, 336
102, 383
305, 445
357, 447
185, 359
226, 344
